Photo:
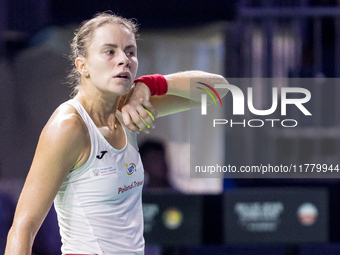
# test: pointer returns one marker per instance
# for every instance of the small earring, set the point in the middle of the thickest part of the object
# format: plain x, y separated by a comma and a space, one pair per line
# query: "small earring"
87, 75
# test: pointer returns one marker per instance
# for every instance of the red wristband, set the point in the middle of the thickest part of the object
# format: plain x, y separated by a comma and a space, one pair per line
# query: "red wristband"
156, 83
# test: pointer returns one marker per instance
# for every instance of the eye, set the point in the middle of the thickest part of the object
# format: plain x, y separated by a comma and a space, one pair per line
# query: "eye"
131, 53
109, 52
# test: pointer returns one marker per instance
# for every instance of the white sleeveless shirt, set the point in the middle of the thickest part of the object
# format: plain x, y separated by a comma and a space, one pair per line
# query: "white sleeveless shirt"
99, 205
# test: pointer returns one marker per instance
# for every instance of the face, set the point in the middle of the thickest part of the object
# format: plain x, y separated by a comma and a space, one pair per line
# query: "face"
111, 60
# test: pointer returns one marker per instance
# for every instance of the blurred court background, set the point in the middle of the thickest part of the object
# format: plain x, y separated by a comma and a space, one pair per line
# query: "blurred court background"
235, 38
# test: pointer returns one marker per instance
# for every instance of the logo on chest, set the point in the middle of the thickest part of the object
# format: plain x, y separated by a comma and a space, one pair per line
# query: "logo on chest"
102, 153
130, 168
103, 171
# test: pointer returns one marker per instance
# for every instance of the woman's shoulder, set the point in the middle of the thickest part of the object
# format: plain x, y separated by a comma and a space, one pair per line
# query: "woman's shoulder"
66, 114
66, 121
64, 141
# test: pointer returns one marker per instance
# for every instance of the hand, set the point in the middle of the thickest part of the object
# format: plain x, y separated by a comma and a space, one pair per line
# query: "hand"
134, 109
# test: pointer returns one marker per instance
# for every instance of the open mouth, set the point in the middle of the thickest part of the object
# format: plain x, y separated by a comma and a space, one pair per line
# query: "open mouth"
123, 76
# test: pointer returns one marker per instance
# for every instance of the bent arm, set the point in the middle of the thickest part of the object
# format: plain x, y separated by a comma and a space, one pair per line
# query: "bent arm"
179, 97
56, 154
183, 93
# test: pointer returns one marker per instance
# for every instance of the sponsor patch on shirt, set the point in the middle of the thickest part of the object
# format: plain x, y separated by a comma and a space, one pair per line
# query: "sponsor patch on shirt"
103, 171
131, 186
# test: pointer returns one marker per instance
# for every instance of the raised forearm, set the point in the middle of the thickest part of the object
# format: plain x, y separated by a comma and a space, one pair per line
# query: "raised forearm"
184, 84
181, 94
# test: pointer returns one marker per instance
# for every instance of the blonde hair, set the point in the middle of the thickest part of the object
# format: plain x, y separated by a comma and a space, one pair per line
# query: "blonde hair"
83, 37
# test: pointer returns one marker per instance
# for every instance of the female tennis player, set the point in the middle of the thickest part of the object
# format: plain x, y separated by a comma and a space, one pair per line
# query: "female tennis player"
87, 160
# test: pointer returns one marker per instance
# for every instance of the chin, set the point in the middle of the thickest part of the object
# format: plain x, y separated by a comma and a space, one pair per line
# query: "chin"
122, 89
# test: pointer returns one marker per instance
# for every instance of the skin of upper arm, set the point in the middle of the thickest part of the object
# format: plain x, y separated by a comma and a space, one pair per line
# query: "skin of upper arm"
61, 145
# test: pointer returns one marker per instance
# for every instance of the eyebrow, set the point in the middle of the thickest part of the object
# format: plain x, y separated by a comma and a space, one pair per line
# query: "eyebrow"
115, 46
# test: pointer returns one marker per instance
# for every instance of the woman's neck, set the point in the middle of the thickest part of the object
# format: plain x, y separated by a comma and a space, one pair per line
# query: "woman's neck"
102, 111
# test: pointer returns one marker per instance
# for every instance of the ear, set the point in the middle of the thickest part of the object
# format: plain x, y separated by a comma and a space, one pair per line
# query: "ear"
80, 63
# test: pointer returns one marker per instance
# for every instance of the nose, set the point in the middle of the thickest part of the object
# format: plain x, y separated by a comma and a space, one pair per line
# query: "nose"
124, 60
